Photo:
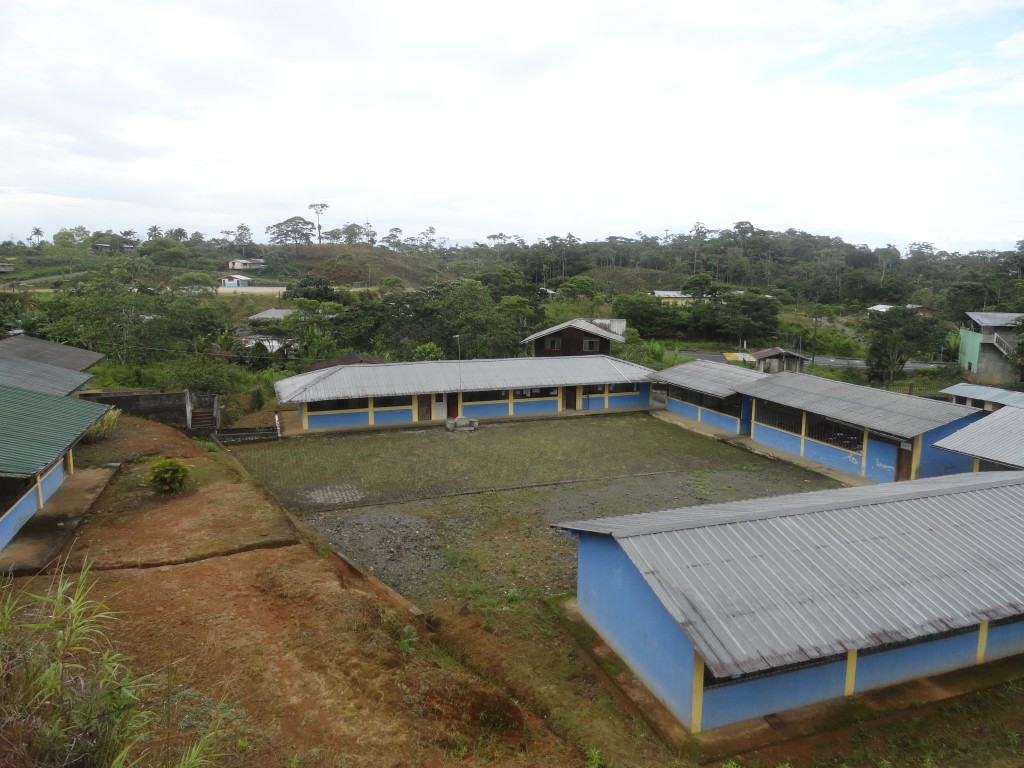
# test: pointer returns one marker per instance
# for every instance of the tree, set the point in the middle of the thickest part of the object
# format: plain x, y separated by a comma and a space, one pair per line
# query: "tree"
295, 230
166, 251
37, 235
178, 233
428, 351
894, 337
317, 209
315, 288
153, 231
131, 237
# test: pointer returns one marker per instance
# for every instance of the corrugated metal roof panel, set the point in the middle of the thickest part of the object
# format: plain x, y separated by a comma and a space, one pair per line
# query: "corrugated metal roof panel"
49, 352
989, 394
456, 376
998, 437
40, 377
271, 314
890, 413
814, 575
36, 429
995, 319
583, 325
717, 379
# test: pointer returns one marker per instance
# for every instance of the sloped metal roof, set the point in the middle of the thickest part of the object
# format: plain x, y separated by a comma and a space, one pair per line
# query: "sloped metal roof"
995, 319
49, 352
890, 413
998, 437
36, 429
717, 379
765, 583
580, 324
777, 352
40, 377
456, 376
989, 394
271, 314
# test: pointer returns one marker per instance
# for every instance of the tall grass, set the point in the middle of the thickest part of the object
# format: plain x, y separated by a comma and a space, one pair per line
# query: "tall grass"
67, 697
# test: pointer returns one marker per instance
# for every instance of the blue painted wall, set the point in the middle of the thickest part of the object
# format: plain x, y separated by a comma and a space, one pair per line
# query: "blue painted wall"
686, 410
483, 410
830, 456
522, 407
618, 603
340, 419
719, 420
881, 461
760, 696
746, 415
934, 461
397, 416
17, 516
1004, 640
776, 438
53, 481
917, 660
641, 399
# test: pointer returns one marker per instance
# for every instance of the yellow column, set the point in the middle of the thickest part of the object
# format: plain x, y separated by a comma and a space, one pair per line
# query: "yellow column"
753, 416
304, 415
697, 693
915, 464
864, 456
803, 430
39, 492
979, 657
851, 673
369, 410
69, 463
977, 465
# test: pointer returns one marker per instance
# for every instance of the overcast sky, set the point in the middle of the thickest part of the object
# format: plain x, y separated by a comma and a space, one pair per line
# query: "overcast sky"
882, 121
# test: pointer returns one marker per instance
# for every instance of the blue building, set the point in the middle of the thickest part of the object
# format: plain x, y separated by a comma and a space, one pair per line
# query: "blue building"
994, 443
734, 611
883, 436
705, 392
408, 393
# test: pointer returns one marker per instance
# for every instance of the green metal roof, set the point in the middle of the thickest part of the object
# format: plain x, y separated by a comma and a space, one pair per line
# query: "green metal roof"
36, 429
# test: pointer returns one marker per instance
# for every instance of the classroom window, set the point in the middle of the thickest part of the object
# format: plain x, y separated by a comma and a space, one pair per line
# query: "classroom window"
526, 394
779, 416
485, 395
622, 389
392, 401
840, 435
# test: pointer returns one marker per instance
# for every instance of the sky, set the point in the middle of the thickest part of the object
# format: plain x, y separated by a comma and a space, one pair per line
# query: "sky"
877, 121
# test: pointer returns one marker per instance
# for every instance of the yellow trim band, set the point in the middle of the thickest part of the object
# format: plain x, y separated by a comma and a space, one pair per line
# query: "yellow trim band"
697, 694
979, 657
851, 673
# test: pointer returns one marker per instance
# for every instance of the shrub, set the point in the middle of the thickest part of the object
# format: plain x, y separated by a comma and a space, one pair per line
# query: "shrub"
102, 428
169, 475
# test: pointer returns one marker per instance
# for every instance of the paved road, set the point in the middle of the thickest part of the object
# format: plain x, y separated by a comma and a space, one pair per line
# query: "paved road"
831, 362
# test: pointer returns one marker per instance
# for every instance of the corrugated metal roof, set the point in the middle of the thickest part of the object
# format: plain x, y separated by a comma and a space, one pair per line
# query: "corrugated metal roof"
40, 377
580, 324
455, 376
998, 437
37, 429
890, 413
777, 352
717, 379
765, 583
49, 352
989, 394
271, 314
995, 319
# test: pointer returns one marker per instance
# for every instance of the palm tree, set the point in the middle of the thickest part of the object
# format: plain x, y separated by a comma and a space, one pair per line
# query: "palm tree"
153, 231
37, 233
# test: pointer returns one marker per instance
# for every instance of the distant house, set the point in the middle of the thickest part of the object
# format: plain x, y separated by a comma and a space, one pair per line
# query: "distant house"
994, 443
409, 393
705, 392
918, 308
350, 358
676, 297
246, 264
883, 436
735, 611
6, 266
271, 314
581, 336
235, 281
38, 432
779, 360
987, 345
986, 398
24, 347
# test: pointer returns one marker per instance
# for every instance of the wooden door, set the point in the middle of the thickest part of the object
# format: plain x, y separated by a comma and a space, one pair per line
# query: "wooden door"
569, 403
425, 405
453, 405
904, 461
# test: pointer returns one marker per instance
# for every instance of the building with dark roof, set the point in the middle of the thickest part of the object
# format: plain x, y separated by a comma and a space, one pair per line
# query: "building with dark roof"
37, 434
705, 392
25, 347
581, 336
779, 360
880, 435
987, 344
734, 611
435, 390
41, 377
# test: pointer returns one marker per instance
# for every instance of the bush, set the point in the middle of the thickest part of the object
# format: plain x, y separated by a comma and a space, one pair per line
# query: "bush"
169, 475
102, 428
